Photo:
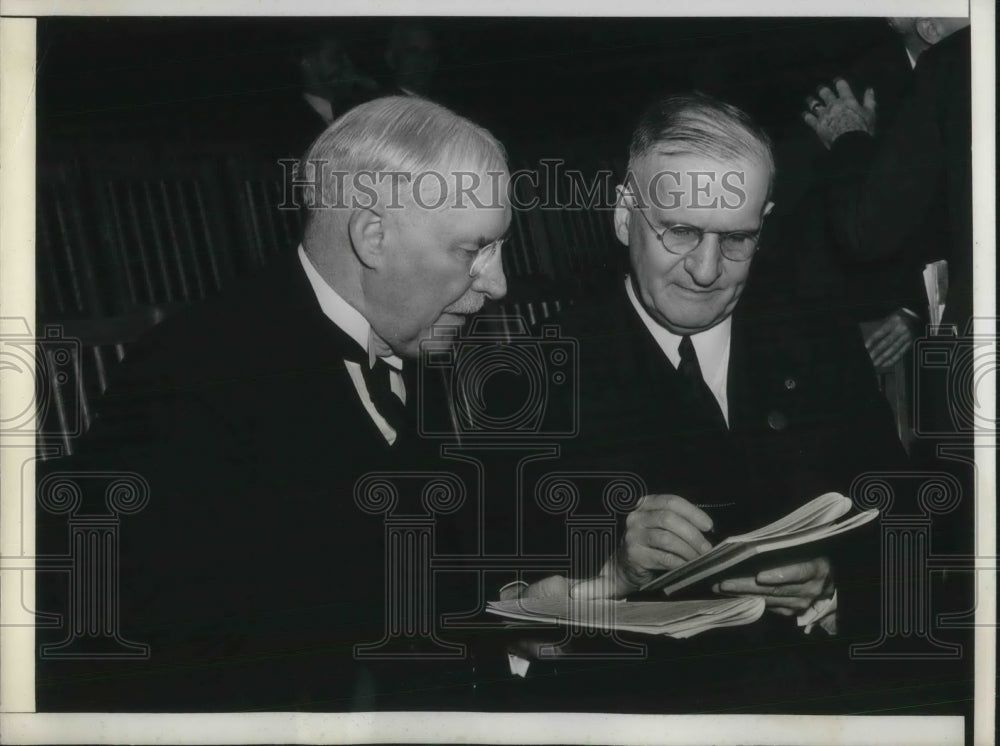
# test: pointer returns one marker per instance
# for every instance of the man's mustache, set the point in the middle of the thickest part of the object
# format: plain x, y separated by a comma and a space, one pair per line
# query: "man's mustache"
466, 309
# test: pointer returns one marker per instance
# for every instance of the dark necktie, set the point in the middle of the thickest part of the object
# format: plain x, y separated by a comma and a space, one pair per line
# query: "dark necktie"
377, 381
698, 391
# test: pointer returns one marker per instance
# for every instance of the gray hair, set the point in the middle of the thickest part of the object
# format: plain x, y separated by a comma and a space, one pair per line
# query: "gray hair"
698, 124
405, 134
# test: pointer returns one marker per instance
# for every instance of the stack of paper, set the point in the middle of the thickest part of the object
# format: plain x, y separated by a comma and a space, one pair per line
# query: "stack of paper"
671, 618
814, 521
936, 287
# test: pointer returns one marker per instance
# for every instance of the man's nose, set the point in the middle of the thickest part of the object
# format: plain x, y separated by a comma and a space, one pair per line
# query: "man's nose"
704, 264
491, 281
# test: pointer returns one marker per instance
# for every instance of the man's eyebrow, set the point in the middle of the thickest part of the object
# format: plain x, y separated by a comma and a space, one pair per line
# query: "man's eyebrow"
675, 223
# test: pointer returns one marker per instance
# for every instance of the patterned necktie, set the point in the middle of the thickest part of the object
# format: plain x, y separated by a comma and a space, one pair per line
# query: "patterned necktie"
699, 392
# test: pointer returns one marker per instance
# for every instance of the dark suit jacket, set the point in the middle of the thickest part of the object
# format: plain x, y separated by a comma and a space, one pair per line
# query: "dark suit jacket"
805, 418
805, 414
252, 572
910, 192
878, 288
821, 273
886, 69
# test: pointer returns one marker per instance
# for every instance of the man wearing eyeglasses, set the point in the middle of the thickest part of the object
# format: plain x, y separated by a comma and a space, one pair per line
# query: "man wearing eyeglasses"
254, 573
732, 410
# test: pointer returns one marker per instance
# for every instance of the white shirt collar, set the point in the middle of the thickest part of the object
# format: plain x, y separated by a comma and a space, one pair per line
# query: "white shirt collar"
344, 315
712, 347
913, 60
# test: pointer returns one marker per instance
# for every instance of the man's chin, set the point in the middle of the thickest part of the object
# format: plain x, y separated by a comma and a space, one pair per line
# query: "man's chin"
682, 325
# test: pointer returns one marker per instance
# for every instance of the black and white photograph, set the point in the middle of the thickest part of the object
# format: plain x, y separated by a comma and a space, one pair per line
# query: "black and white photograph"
498, 375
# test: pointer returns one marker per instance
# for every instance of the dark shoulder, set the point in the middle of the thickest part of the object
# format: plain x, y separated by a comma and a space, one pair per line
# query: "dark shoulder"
810, 329
253, 325
599, 320
956, 47
817, 349
886, 68
945, 66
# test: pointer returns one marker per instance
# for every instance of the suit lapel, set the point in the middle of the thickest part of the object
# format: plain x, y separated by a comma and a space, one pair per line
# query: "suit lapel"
766, 368
656, 381
318, 348
740, 383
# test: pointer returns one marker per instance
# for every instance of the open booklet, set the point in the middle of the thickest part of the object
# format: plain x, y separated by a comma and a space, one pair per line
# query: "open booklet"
815, 521
671, 618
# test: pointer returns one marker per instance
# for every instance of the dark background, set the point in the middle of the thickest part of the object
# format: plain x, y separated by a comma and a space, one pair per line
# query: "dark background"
134, 99
530, 80
158, 140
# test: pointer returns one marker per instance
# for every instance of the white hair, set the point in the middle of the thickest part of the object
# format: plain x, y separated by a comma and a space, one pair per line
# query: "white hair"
396, 134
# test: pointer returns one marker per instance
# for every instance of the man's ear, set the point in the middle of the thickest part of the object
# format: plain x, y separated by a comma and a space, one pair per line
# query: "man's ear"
367, 234
930, 30
623, 200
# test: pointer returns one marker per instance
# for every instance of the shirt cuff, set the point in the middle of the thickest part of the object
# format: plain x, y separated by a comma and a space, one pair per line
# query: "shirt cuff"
518, 665
823, 612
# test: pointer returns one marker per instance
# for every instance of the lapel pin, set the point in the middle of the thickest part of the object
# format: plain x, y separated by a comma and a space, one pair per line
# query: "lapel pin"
790, 383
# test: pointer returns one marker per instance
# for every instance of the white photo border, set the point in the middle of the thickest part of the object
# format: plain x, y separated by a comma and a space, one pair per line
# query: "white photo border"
19, 723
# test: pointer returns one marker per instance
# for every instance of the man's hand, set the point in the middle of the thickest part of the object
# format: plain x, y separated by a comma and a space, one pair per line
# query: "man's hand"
662, 533
788, 590
554, 586
836, 113
890, 341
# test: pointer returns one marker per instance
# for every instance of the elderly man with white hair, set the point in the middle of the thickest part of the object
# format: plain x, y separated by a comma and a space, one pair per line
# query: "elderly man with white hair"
255, 574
